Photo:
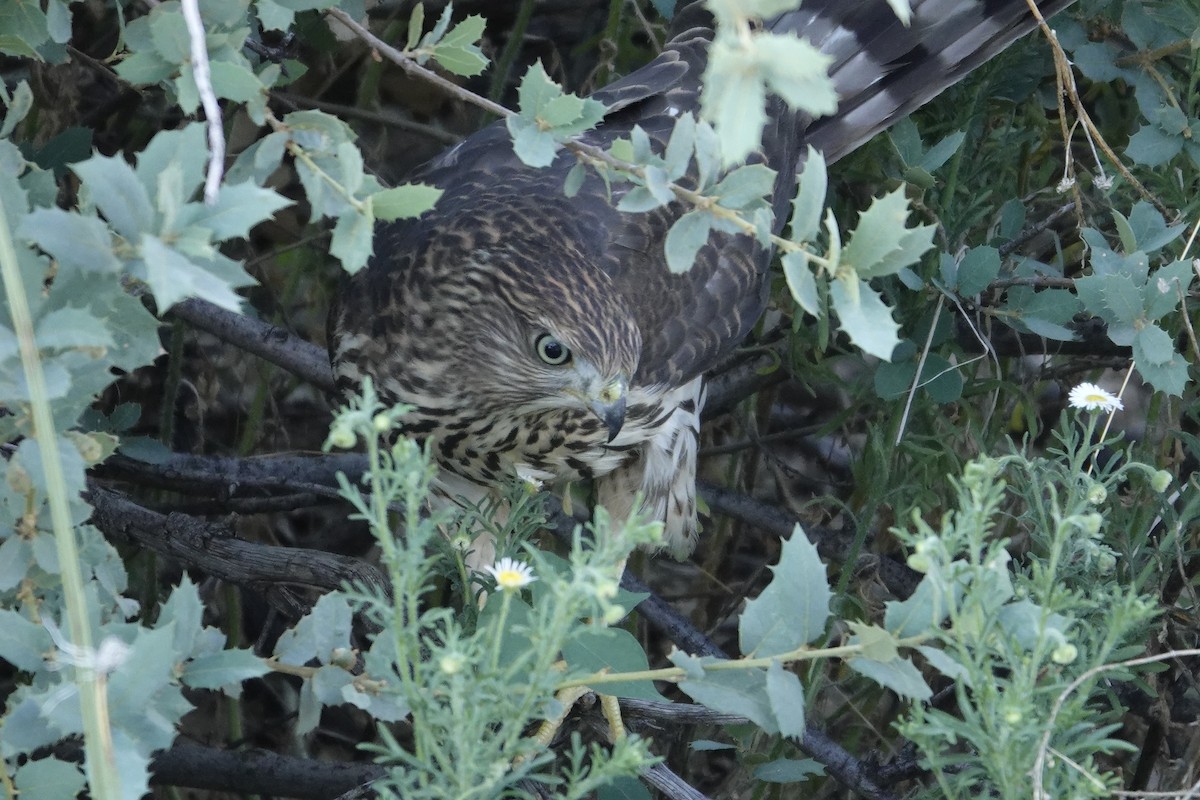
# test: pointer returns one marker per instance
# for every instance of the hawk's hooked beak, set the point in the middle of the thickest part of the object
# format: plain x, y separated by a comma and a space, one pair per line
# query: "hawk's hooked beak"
609, 406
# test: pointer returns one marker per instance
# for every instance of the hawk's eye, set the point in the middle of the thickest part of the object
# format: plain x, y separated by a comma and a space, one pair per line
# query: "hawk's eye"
551, 350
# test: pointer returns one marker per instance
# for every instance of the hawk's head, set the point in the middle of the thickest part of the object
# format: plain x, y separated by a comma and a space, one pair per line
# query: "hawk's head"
519, 327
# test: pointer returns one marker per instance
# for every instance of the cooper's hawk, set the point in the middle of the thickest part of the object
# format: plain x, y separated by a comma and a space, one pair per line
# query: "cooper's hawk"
544, 337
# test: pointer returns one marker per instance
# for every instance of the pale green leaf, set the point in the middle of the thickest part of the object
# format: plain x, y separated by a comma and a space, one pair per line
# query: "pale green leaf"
978, 268
741, 692
17, 107
899, 675
76, 242
235, 82
810, 198
864, 317
734, 101
186, 147
678, 154
405, 201
796, 71
239, 208
118, 194
877, 243
224, 670
72, 328
173, 277
353, 238
794, 608
168, 30
594, 649
945, 664
640, 199
533, 146
877, 644
787, 700
802, 283
745, 185
788, 770
1154, 346
48, 779
923, 611
684, 240
22, 642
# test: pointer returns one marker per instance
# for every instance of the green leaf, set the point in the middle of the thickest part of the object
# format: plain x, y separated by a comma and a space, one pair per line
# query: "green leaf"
923, 611
796, 71
48, 779
168, 31
1151, 146
941, 152
679, 150
864, 317
16, 108
458, 52
877, 643
1150, 231
239, 208
186, 147
235, 82
810, 198
118, 194
320, 632
978, 268
1164, 289
1153, 346
881, 244
76, 242
794, 608
21, 642
533, 146
945, 664
745, 185
407, 201
274, 16
594, 649
802, 283
741, 692
640, 199
574, 180
684, 240
788, 770
787, 700
898, 674
173, 277
72, 328
734, 101
224, 670
144, 68
353, 238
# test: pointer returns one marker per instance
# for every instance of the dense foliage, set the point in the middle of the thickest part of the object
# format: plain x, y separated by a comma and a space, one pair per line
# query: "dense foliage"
964, 580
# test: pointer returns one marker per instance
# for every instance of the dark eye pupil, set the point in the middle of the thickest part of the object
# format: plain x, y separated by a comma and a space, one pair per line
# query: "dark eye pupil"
551, 350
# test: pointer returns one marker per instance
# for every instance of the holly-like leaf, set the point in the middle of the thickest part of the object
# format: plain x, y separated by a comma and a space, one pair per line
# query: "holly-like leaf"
794, 608
404, 202
864, 317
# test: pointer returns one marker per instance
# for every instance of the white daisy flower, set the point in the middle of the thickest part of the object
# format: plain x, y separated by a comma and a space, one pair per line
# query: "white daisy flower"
511, 574
1090, 397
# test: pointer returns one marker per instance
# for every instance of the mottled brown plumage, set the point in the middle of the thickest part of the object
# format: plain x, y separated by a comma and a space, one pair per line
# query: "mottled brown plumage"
463, 312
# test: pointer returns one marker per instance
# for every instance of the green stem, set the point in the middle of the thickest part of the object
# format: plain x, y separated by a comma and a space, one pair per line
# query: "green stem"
97, 743
677, 674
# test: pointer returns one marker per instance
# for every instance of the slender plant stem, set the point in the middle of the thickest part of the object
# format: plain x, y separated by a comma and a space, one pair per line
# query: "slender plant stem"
98, 746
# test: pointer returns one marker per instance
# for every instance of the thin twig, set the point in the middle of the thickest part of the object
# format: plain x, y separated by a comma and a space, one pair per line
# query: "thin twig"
208, 99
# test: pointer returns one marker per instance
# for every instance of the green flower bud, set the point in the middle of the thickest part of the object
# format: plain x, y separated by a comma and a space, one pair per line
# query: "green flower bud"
1065, 653
1160, 480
